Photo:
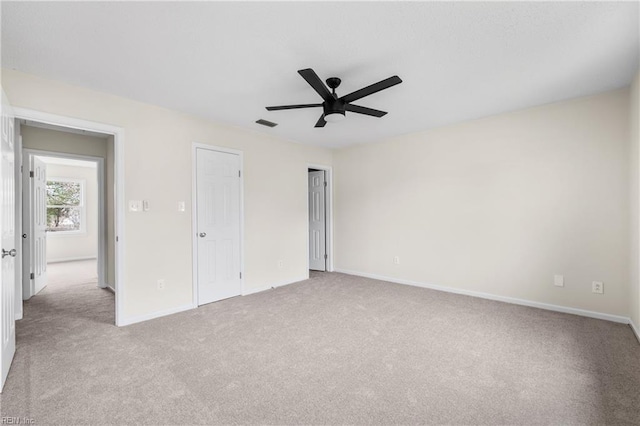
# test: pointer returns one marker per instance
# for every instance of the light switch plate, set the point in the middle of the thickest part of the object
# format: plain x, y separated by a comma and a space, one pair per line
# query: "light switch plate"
181, 206
135, 205
558, 280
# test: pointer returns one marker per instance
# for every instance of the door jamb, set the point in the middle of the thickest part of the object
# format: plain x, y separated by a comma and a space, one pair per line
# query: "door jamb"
328, 199
194, 214
102, 235
119, 200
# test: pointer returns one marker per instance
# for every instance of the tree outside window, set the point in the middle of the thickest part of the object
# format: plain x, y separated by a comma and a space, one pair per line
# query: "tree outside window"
64, 206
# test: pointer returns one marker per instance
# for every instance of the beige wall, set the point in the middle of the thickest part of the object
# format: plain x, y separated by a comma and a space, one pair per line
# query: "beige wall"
157, 154
497, 205
634, 121
61, 247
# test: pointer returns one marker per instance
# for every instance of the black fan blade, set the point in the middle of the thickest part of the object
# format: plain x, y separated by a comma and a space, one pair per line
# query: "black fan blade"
370, 90
364, 110
276, 108
321, 122
317, 84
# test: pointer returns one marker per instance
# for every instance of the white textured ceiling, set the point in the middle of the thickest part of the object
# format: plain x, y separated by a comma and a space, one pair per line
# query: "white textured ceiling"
227, 61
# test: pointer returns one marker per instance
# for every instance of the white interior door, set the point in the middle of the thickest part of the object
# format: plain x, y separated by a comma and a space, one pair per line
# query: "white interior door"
38, 236
27, 228
8, 237
317, 223
218, 225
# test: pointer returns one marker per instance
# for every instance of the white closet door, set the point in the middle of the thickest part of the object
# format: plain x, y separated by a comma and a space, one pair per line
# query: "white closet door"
317, 224
218, 225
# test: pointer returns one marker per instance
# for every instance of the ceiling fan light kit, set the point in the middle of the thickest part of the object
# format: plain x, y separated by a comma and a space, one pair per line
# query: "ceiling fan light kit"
334, 108
334, 117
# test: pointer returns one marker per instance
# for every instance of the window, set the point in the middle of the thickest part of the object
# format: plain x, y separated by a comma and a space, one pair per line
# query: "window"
65, 205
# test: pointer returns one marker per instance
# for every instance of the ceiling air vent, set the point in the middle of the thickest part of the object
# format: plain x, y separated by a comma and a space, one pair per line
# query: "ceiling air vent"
266, 123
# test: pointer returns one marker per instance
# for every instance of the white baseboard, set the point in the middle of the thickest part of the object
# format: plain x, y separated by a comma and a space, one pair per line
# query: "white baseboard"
635, 329
71, 259
111, 289
152, 315
506, 299
272, 286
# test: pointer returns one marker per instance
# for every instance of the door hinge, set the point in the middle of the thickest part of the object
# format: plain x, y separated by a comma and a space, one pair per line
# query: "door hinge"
240, 275
239, 173
116, 239
32, 276
31, 173
325, 184
325, 257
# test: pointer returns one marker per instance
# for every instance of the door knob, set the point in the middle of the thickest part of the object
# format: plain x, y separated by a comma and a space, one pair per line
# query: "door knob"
203, 234
11, 253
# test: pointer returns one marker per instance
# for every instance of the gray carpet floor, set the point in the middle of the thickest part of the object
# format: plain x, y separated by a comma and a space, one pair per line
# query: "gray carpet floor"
335, 349
64, 274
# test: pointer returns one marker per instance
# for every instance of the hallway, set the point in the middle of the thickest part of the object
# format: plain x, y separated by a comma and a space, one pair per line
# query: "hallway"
65, 274
72, 294
62, 329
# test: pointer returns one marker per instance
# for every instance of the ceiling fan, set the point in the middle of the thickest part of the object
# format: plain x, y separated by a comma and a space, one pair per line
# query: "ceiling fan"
334, 107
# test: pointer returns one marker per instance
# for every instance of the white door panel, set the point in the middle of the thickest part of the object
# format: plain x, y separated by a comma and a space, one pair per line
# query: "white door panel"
218, 225
7, 231
317, 224
38, 235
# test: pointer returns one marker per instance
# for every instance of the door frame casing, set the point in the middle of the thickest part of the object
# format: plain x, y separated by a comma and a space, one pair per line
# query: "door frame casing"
328, 217
194, 213
119, 200
102, 225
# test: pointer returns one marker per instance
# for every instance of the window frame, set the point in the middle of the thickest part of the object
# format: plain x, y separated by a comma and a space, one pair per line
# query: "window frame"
82, 206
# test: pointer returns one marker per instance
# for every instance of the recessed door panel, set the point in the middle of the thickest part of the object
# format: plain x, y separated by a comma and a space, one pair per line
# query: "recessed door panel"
39, 223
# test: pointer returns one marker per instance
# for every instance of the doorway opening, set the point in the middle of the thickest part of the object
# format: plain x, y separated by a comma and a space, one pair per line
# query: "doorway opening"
68, 212
320, 253
63, 221
12, 167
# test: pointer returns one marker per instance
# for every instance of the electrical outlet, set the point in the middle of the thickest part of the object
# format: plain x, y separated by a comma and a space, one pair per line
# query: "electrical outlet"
280, 264
558, 280
160, 284
597, 287
396, 260
181, 206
